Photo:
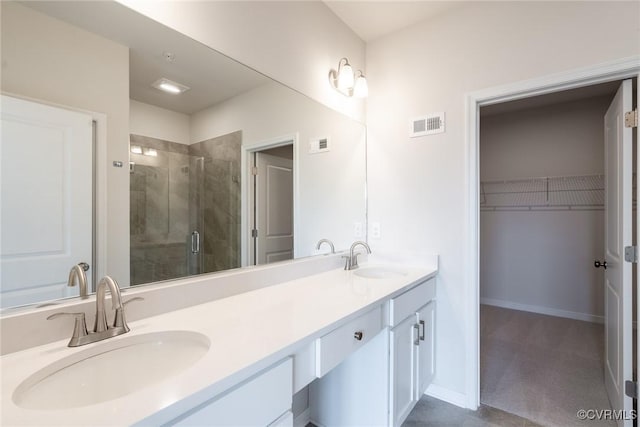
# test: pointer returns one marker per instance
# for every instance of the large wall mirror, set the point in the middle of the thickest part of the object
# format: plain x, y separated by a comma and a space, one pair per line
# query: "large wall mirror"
150, 157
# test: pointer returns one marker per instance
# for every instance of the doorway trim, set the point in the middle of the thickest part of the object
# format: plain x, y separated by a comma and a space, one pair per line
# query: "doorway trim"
587, 76
246, 157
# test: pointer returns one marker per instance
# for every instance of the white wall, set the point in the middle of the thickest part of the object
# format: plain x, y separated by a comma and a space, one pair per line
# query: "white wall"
150, 120
416, 187
331, 186
48, 60
294, 42
543, 260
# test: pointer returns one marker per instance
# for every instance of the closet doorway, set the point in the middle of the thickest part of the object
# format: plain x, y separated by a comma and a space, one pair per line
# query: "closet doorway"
542, 226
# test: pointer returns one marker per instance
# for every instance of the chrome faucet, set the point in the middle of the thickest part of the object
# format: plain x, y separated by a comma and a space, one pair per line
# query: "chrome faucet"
77, 274
328, 242
351, 260
101, 330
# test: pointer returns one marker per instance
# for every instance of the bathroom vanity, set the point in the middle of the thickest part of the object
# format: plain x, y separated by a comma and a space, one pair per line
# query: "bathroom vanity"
362, 340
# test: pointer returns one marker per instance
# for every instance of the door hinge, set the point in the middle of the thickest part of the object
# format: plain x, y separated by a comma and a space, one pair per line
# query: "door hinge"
631, 254
254, 233
254, 171
631, 389
631, 119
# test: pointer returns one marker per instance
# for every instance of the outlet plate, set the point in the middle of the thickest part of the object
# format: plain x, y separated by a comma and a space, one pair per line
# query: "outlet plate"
357, 229
375, 230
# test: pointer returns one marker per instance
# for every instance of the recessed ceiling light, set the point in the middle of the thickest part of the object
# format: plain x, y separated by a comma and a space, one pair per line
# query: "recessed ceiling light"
170, 86
136, 149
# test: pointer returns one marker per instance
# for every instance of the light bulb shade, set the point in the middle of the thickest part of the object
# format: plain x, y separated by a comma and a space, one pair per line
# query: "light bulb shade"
345, 77
361, 89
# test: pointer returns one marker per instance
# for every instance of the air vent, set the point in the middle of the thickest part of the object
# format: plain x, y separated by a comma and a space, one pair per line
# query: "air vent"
318, 145
427, 125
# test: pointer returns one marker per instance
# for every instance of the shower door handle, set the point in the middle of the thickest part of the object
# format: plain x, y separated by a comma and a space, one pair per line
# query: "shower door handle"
195, 242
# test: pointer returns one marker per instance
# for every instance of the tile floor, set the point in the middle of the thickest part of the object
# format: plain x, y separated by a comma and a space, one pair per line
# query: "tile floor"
433, 412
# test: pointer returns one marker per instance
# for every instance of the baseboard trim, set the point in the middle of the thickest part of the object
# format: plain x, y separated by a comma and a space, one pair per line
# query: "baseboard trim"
303, 419
543, 310
447, 395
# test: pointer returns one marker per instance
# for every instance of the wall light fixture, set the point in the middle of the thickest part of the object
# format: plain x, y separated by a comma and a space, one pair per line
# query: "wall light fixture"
346, 82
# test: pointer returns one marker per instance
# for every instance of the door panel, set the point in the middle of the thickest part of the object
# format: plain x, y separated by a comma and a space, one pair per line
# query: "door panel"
618, 234
426, 359
274, 208
48, 151
403, 365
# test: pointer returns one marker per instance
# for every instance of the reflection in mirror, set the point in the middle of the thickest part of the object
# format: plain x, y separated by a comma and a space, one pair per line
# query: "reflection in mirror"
173, 191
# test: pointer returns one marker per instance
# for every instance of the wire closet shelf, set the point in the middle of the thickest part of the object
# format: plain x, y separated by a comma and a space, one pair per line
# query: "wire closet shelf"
585, 192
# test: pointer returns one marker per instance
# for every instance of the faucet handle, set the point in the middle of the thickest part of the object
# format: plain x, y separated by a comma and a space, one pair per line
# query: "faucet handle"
132, 300
119, 321
79, 328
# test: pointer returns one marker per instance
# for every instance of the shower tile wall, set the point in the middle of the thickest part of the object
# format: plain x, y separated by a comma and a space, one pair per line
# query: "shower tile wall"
159, 219
183, 189
220, 201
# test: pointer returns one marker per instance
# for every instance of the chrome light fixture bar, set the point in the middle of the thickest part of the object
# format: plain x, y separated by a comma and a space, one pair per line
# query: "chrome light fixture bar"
346, 82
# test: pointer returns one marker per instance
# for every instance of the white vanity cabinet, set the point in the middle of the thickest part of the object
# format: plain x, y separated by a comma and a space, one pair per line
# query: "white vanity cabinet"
263, 400
403, 370
412, 341
426, 347
379, 384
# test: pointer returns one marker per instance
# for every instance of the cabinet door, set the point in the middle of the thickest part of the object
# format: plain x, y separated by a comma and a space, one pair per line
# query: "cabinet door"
403, 369
257, 402
426, 350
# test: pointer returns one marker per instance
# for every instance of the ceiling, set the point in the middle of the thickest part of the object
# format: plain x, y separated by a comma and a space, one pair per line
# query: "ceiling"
373, 19
211, 76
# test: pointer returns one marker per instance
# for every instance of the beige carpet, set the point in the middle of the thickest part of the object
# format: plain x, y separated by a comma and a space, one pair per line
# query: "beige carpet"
542, 368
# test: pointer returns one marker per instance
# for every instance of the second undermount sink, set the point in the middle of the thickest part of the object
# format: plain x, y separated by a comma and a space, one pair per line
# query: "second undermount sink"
379, 272
111, 370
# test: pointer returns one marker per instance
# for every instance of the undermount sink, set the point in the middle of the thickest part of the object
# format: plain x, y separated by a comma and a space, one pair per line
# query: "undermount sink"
111, 370
379, 272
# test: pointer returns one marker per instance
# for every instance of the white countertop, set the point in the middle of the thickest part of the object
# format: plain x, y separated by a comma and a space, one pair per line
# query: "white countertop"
248, 332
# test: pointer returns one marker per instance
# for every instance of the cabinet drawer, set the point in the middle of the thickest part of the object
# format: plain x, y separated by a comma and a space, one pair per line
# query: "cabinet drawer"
409, 302
257, 402
337, 345
304, 366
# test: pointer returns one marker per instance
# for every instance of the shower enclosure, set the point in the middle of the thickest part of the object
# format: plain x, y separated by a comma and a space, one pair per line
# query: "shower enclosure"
184, 208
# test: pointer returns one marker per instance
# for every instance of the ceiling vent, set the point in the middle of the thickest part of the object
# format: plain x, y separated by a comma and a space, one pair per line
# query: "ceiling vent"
427, 125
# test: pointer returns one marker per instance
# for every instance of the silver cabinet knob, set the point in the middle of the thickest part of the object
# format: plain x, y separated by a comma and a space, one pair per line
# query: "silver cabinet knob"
358, 335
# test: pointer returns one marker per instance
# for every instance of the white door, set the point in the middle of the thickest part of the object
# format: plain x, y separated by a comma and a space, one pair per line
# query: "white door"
274, 208
618, 234
46, 199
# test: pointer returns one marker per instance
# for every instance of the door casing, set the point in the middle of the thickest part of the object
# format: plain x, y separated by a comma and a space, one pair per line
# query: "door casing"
602, 73
246, 186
